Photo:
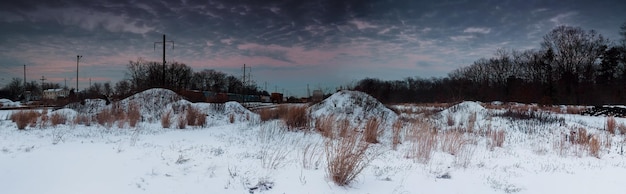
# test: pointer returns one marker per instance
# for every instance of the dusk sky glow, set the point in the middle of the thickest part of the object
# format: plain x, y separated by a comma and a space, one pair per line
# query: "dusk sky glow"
288, 44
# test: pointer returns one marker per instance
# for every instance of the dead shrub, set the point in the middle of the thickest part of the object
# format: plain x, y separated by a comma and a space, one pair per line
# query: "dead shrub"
166, 119
346, 159
134, 114
201, 120
57, 119
453, 142
296, 117
43, 121
370, 133
231, 118
24, 118
311, 156
611, 125
395, 137
579, 136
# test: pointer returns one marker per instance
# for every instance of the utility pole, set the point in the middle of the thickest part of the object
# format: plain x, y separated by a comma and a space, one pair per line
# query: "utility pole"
245, 80
65, 85
164, 55
24, 78
89, 83
308, 91
77, 59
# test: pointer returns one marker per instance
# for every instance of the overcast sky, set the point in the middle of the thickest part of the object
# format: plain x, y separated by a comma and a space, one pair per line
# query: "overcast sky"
288, 44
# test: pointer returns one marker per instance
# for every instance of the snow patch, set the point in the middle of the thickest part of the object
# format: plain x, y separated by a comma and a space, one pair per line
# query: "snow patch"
356, 107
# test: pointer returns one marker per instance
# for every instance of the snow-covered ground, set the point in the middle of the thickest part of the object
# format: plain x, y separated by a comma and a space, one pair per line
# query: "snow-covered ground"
250, 156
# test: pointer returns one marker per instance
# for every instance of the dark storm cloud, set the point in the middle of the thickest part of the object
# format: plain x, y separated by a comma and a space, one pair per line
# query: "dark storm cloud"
405, 37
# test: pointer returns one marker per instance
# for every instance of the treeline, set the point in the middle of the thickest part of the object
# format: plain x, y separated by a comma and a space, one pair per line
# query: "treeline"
572, 66
143, 75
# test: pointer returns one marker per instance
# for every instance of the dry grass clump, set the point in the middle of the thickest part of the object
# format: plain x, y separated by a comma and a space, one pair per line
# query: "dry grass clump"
311, 156
182, 123
594, 147
231, 118
296, 117
82, 119
324, 125
267, 114
24, 118
423, 141
133, 114
453, 142
370, 133
611, 125
57, 119
166, 119
105, 118
192, 116
396, 132
496, 138
346, 158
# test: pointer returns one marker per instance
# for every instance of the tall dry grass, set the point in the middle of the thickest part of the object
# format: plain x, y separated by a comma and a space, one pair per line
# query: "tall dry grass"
422, 141
453, 142
166, 119
324, 125
134, 114
24, 118
370, 133
296, 117
346, 159
57, 119
611, 125
396, 134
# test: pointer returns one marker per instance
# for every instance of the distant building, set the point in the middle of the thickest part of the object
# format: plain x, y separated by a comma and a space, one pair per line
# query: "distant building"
53, 94
318, 96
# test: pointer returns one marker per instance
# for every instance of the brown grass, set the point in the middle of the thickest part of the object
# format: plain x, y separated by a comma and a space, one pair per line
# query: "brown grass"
611, 125
82, 119
396, 132
267, 114
133, 114
166, 119
594, 147
105, 118
370, 133
496, 138
296, 117
57, 119
231, 118
344, 127
346, 159
24, 118
182, 123
422, 140
453, 142
43, 121
324, 125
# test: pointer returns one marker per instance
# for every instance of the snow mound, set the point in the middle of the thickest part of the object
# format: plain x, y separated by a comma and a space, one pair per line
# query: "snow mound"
8, 103
88, 106
356, 107
70, 114
151, 102
461, 113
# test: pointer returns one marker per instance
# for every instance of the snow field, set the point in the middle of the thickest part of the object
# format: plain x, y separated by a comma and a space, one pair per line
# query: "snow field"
249, 156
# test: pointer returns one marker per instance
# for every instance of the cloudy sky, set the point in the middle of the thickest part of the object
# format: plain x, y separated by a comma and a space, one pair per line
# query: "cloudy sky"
287, 43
